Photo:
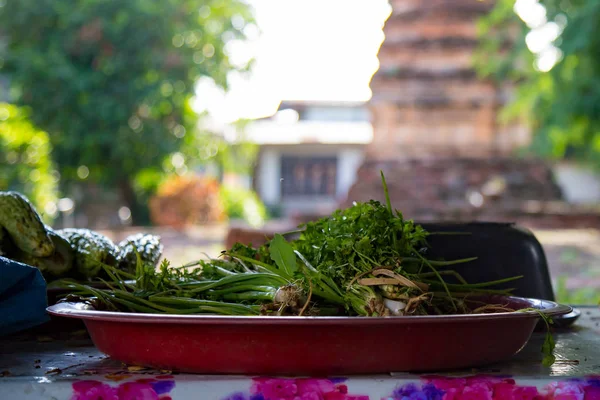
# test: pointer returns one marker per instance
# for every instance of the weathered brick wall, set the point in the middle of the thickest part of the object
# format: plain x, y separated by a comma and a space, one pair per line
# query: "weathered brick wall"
421, 185
472, 189
427, 98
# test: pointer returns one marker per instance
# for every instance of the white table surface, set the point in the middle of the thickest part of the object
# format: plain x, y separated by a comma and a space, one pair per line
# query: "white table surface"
70, 367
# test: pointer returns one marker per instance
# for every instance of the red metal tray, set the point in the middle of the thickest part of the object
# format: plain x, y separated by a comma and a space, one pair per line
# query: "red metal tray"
311, 345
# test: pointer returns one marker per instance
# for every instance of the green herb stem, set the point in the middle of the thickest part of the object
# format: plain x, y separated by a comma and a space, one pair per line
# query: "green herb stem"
249, 296
243, 288
437, 263
437, 274
224, 307
233, 279
467, 286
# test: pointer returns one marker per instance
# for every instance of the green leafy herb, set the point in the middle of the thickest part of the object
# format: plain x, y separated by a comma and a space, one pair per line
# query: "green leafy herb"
548, 350
283, 255
386, 192
549, 344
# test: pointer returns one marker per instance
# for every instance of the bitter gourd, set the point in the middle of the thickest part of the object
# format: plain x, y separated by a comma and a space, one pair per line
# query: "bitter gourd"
92, 249
147, 246
24, 225
57, 264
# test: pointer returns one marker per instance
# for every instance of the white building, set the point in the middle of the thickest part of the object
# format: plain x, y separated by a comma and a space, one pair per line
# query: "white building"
309, 155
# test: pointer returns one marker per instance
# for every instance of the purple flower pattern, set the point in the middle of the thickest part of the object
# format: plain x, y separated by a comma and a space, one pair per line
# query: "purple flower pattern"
496, 388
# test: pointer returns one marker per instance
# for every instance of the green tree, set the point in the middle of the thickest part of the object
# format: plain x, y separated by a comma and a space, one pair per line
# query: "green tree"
25, 163
111, 80
236, 155
560, 102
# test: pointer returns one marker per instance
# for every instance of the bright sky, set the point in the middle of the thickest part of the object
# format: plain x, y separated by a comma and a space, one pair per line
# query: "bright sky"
304, 50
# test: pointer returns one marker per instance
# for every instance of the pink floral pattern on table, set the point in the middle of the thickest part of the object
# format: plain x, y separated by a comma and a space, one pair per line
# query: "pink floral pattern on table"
297, 389
496, 388
428, 388
141, 389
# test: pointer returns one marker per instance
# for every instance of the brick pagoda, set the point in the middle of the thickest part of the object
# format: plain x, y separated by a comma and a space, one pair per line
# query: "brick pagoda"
435, 126
427, 98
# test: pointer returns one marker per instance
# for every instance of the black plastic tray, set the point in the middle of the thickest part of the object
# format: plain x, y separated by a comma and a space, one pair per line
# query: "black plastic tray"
503, 250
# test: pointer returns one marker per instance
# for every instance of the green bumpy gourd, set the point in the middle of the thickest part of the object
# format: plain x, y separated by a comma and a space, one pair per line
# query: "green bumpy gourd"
147, 246
56, 265
92, 249
24, 225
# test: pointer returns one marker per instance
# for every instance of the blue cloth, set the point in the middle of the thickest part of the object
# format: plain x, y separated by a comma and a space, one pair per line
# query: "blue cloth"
23, 298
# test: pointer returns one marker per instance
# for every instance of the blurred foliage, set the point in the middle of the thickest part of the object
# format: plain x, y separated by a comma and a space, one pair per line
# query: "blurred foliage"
561, 106
237, 156
243, 204
582, 296
25, 164
111, 81
186, 200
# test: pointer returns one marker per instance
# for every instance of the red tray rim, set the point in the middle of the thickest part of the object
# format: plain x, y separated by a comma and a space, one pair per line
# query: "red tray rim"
82, 311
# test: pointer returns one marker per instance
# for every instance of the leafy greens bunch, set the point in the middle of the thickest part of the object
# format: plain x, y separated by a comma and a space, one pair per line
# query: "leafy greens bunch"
365, 260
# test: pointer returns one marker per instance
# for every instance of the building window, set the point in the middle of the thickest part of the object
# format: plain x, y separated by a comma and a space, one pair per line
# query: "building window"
308, 176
